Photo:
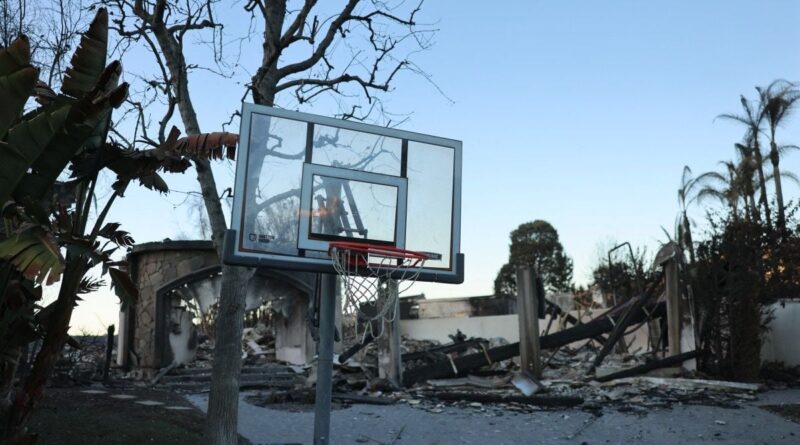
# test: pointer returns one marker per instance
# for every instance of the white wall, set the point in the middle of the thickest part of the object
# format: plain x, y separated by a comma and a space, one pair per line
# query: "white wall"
506, 326
782, 342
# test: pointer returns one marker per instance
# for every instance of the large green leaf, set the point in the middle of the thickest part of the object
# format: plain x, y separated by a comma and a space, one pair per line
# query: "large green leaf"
106, 85
17, 79
25, 143
83, 118
34, 253
15, 89
123, 286
16, 56
89, 60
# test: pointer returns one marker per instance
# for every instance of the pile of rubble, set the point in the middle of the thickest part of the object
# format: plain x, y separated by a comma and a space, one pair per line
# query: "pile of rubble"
569, 378
81, 362
567, 382
258, 345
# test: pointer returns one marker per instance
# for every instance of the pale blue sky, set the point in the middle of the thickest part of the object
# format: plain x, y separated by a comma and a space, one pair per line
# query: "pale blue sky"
582, 113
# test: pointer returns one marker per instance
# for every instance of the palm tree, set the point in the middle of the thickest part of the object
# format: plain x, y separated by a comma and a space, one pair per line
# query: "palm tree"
752, 119
685, 198
778, 101
784, 174
725, 187
746, 170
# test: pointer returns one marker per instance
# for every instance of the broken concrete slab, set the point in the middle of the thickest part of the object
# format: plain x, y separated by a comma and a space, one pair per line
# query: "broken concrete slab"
687, 384
526, 384
471, 380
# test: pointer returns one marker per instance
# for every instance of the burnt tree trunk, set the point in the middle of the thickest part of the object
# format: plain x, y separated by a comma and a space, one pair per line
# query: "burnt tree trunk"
223, 404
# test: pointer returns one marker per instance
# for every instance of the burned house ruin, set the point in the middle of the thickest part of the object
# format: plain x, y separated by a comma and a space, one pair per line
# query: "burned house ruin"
179, 283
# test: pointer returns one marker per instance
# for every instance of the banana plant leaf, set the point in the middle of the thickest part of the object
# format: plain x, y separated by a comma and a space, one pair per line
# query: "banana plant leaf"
83, 117
34, 253
25, 143
123, 286
93, 87
216, 145
16, 56
15, 89
17, 80
119, 237
89, 60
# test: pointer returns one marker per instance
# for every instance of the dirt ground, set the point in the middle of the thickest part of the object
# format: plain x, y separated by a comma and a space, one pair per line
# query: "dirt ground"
73, 416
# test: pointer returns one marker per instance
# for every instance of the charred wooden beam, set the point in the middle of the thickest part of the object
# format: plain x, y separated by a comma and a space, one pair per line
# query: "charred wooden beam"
483, 397
621, 325
624, 321
368, 400
432, 353
554, 310
353, 350
462, 365
655, 364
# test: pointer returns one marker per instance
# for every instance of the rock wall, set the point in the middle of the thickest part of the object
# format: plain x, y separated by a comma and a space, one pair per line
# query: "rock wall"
153, 265
157, 330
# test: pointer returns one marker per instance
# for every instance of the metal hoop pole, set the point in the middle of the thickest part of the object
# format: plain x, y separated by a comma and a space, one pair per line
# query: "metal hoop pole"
322, 406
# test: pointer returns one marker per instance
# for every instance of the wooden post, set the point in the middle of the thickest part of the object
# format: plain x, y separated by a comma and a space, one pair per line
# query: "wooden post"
527, 308
680, 318
109, 348
390, 364
673, 306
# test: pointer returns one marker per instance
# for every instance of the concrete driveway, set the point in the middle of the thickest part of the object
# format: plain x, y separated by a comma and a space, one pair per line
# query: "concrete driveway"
482, 425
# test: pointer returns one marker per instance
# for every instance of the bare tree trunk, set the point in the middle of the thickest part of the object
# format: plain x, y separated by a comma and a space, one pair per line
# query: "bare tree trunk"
774, 157
55, 338
221, 424
762, 182
223, 403
303, 26
687, 228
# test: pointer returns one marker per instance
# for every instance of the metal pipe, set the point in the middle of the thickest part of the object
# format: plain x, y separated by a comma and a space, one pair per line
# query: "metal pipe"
322, 407
611, 270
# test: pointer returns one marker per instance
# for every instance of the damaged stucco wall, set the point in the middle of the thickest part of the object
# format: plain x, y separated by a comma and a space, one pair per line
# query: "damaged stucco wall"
781, 342
159, 328
293, 341
153, 265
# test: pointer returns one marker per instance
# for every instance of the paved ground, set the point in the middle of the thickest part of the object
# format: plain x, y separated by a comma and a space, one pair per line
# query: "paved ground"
403, 424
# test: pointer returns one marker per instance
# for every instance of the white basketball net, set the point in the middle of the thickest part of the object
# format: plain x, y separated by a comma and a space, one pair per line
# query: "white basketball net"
366, 274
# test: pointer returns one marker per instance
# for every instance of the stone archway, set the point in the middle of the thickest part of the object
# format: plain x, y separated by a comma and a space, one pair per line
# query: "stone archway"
157, 330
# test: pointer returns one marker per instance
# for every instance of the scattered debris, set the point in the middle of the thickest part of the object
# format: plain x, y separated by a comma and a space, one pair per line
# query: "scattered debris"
599, 325
652, 365
526, 384
690, 384
472, 380
484, 397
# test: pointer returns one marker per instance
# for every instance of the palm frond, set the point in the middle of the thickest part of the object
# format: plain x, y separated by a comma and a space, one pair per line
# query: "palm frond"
785, 175
709, 192
89, 285
782, 149
734, 117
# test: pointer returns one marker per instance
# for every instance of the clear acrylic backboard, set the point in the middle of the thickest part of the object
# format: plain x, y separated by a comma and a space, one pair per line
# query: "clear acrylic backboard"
303, 181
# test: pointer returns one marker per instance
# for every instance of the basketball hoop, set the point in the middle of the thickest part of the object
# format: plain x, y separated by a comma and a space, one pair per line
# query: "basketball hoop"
365, 270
